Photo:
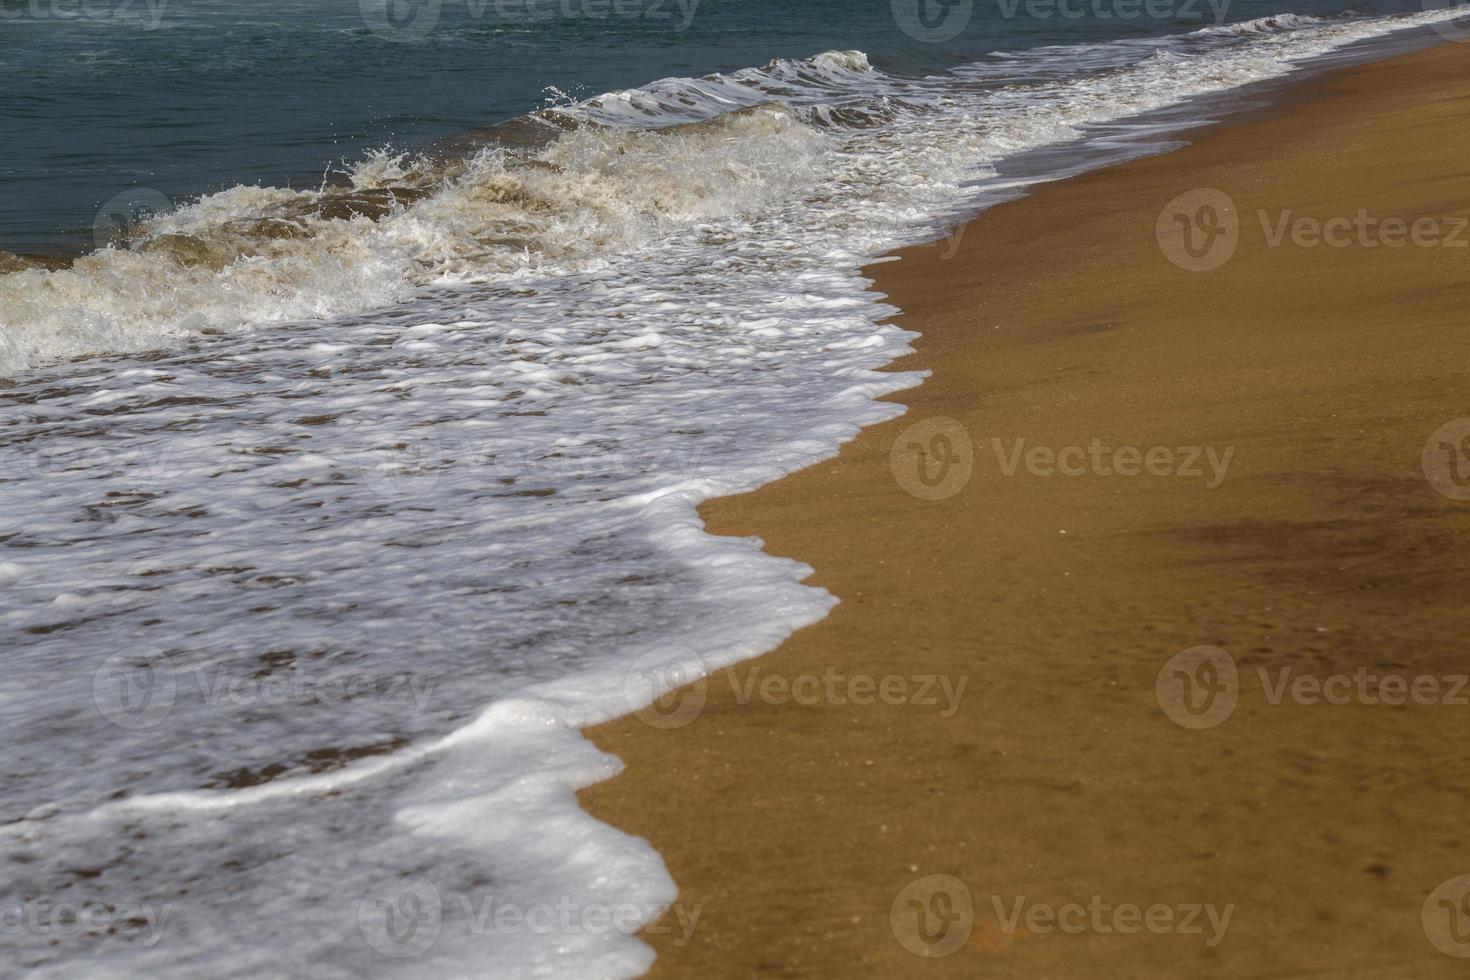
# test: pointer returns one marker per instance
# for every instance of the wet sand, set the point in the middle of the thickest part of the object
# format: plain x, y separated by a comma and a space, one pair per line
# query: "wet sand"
1058, 590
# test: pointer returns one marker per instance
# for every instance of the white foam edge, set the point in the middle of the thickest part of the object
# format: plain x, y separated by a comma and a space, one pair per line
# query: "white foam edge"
500, 781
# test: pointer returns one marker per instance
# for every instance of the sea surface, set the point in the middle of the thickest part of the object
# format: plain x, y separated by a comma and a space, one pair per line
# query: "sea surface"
363, 367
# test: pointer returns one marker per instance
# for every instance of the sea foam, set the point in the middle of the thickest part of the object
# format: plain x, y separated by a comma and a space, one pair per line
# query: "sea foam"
309, 605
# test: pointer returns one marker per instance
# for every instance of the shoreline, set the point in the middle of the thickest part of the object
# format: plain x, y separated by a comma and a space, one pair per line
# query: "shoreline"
1050, 596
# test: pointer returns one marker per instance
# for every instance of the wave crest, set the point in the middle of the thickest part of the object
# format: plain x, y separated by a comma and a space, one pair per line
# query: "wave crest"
256, 255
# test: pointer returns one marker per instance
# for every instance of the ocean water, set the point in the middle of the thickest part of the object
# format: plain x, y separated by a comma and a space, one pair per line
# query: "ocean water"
357, 469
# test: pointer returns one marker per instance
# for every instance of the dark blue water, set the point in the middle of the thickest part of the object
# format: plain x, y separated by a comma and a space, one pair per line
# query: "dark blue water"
101, 97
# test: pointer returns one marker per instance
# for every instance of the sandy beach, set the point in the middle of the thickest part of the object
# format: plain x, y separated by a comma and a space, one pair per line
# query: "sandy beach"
1152, 616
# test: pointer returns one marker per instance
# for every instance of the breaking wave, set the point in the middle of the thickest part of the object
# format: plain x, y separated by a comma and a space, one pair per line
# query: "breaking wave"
584, 183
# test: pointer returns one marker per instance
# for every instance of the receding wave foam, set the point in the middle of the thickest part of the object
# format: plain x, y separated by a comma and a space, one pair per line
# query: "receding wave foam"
325, 603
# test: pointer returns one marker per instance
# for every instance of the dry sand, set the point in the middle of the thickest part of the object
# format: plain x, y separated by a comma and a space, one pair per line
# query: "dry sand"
1059, 599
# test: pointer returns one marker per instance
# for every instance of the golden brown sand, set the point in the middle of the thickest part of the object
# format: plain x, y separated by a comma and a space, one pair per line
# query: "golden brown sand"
1058, 599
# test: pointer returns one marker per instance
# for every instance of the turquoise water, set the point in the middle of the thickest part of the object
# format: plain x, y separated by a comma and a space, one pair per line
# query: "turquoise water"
185, 97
